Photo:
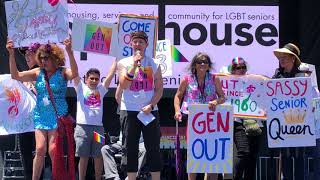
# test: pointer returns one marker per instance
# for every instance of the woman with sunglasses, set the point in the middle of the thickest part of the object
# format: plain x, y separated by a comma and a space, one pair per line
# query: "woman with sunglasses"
198, 87
51, 59
246, 145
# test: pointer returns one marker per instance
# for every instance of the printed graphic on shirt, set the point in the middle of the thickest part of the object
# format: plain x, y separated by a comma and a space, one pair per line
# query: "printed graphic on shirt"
143, 79
92, 98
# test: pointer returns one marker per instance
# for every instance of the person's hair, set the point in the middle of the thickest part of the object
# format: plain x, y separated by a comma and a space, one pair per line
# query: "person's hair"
92, 71
53, 51
139, 34
198, 57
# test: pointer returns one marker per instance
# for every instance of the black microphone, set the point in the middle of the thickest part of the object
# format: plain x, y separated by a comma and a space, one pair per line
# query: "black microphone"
138, 52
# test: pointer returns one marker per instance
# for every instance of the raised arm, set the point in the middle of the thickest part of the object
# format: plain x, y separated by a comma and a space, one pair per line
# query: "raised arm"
112, 70
71, 72
178, 98
25, 76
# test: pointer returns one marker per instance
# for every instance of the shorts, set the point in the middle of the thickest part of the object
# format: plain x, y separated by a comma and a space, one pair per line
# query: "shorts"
86, 146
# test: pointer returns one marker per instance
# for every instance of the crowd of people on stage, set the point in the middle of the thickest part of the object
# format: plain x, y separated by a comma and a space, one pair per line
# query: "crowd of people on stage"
139, 91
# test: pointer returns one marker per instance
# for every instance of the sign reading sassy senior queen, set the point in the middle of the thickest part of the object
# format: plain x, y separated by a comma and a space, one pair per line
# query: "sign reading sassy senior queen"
32, 21
290, 120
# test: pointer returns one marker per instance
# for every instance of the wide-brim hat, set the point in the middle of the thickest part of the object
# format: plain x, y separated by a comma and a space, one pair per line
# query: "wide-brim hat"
289, 49
237, 61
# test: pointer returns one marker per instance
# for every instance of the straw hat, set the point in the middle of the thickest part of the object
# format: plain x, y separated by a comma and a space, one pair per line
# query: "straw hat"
289, 49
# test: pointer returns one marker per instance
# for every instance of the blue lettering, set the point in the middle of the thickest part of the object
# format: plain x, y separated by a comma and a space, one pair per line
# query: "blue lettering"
135, 26
193, 148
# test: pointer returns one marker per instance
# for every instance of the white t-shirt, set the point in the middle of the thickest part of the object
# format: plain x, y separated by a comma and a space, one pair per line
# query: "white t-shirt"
90, 104
141, 91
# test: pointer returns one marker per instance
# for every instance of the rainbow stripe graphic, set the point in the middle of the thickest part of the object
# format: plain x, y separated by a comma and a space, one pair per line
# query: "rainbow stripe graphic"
98, 138
177, 56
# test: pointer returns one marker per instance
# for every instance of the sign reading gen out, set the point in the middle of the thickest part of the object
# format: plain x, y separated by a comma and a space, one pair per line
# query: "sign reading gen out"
263, 34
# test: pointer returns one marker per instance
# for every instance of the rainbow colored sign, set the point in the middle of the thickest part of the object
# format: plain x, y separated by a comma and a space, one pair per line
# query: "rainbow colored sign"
94, 36
210, 139
97, 39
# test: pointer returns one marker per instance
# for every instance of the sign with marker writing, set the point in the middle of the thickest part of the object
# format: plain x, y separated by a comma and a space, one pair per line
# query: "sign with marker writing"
245, 94
129, 23
30, 21
290, 120
210, 139
163, 56
94, 37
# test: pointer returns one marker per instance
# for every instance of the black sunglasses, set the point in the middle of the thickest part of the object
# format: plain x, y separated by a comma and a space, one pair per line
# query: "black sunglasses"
239, 67
202, 62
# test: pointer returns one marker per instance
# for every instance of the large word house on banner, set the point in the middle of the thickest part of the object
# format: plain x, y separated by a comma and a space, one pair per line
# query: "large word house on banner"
95, 37
16, 106
245, 94
290, 120
210, 139
130, 23
30, 21
316, 106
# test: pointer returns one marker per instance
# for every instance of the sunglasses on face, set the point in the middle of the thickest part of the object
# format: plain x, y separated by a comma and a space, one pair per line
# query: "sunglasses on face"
44, 58
94, 79
240, 67
202, 62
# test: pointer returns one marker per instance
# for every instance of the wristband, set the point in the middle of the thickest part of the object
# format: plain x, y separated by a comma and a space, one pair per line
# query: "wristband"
130, 75
152, 107
127, 78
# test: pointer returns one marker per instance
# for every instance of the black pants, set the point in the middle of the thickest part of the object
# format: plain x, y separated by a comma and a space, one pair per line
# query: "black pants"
151, 135
245, 153
27, 146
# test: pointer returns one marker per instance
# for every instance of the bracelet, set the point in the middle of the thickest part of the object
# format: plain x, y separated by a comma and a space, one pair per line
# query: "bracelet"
130, 75
128, 78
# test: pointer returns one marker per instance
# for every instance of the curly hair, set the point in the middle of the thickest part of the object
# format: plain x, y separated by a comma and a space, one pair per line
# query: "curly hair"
199, 57
53, 51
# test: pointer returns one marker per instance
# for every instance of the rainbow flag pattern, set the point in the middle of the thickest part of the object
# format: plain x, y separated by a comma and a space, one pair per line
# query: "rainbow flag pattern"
177, 56
99, 138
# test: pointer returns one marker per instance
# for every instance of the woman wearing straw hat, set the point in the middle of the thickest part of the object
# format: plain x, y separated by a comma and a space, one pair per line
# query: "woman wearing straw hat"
289, 63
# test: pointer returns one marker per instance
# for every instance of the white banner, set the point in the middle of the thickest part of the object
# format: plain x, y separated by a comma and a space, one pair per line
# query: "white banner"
163, 56
30, 21
223, 32
16, 107
210, 139
290, 120
95, 37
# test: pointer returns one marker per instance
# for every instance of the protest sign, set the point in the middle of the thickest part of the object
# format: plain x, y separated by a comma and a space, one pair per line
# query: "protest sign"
245, 94
30, 21
316, 106
16, 107
129, 23
163, 56
290, 120
95, 36
210, 139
